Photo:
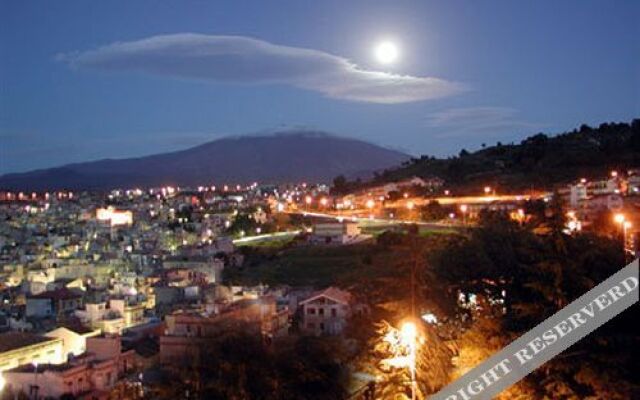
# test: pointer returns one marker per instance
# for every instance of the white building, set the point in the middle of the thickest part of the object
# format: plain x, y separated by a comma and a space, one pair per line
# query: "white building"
335, 233
577, 193
326, 312
74, 341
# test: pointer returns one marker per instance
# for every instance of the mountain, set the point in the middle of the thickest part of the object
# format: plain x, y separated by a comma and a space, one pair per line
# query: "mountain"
274, 158
539, 161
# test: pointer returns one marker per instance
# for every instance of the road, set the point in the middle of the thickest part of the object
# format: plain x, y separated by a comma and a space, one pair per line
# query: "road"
266, 237
373, 221
362, 221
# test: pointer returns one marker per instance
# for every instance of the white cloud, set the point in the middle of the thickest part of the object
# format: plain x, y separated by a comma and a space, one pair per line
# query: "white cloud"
237, 59
484, 120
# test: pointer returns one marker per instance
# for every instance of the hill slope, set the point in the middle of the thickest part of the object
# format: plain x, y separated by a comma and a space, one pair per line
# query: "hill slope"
539, 160
282, 157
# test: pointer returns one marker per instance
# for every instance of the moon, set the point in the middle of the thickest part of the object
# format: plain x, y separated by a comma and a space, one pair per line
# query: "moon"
386, 52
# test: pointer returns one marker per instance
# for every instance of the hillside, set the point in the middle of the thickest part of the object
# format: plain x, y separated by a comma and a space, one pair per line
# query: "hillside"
539, 161
276, 158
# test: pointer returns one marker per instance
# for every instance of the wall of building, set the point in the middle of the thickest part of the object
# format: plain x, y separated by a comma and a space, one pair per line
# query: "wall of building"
50, 352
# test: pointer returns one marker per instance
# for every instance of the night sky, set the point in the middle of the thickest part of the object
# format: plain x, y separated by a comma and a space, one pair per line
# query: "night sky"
87, 80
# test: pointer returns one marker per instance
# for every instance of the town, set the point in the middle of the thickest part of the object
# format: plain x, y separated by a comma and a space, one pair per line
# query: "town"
328, 200
102, 293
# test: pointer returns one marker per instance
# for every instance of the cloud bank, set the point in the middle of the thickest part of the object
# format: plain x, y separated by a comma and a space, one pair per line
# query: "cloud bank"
243, 60
484, 120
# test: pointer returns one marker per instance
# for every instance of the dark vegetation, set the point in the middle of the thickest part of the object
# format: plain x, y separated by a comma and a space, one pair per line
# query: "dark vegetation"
239, 365
537, 266
539, 161
540, 274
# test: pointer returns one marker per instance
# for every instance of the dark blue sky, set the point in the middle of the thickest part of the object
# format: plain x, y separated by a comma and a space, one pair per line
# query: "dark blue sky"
469, 73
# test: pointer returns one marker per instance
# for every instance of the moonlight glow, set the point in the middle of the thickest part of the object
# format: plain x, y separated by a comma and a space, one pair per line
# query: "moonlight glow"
386, 52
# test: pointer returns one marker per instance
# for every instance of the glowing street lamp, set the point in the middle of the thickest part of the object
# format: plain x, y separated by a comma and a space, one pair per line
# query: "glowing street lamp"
463, 210
620, 219
409, 335
323, 201
403, 344
410, 205
370, 204
35, 379
487, 190
626, 225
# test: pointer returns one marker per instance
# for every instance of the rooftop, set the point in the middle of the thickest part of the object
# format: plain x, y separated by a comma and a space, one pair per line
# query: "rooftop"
15, 340
333, 293
58, 294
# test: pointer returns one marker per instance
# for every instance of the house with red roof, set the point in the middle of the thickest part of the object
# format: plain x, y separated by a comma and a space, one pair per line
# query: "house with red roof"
326, 312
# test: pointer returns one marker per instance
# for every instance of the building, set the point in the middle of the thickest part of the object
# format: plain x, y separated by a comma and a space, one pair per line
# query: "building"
604, 187
326, 312
335, 233
114, 217
633, 184
74, 340
606, 202
90, 376
576, 194
187, 332
53, 303
132, 312
209, 268
430, 183
21, 348
119, 315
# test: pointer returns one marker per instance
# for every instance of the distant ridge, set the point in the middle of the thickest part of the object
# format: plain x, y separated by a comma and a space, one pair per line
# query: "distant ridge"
276, 157
540, 161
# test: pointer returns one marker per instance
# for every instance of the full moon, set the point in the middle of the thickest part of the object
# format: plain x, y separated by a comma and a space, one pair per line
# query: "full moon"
386, 52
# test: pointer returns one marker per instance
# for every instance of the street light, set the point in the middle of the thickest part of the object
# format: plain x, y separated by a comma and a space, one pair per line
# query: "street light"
487, 189
620, 219
35, 380
463, 209
625, 227
308, 200
403, 344
408, 335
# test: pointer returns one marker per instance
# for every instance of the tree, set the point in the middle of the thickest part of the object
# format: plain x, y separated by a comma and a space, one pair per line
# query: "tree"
238, 365
384, 357
533, 277
433, 211
340, 185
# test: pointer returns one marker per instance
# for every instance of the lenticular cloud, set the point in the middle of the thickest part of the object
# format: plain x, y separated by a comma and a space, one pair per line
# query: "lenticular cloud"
243, 60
